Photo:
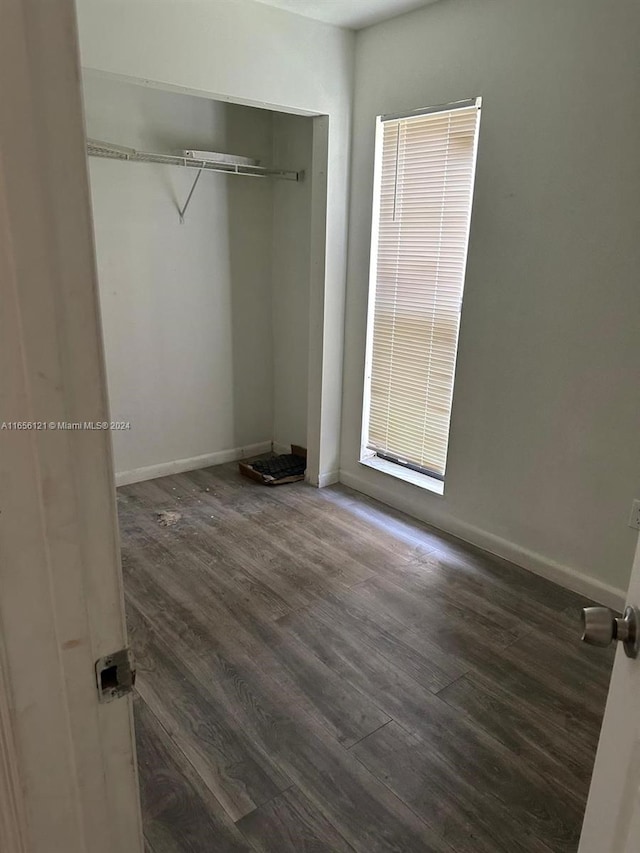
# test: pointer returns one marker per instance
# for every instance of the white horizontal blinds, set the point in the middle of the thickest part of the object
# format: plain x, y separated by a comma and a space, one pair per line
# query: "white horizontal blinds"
426, 185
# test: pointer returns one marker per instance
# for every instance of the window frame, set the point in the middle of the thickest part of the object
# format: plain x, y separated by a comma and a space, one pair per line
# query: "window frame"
431, 481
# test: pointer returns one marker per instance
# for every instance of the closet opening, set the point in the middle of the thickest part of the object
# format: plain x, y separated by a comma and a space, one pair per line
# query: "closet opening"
204, 215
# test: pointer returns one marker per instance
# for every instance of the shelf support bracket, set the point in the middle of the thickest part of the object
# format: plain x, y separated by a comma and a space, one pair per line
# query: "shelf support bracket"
183, 210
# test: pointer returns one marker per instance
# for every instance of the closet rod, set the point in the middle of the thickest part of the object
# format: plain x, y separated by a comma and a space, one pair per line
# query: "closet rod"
116, 152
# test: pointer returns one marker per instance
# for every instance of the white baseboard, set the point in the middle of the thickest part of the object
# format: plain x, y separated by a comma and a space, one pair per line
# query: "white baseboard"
330, 478
538, 564
280, 449
163, 469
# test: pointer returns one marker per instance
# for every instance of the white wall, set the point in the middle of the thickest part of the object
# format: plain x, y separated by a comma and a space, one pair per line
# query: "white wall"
543, 460
247, 52
186, 308
292, 146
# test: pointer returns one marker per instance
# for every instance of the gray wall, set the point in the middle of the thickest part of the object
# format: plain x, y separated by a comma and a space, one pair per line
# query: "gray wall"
543, 460
187, 309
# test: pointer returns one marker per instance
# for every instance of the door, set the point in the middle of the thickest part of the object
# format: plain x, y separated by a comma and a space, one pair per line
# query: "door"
68, 780
612, 819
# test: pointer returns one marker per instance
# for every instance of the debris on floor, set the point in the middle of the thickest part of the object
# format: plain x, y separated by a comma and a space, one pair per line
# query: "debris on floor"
168, 517
276, 470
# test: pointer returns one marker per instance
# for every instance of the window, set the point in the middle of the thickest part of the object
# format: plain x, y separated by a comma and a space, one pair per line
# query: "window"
423, 188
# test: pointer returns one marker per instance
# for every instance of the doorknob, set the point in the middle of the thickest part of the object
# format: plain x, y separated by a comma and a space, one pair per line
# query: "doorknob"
600, 627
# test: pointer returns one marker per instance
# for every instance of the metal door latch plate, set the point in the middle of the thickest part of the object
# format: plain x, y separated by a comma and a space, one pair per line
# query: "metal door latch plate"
115, 675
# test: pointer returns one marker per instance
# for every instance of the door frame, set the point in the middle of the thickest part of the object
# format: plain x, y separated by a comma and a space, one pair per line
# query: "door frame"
68, 779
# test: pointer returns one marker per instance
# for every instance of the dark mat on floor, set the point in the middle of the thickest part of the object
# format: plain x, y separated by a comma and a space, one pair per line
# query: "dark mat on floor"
276, 470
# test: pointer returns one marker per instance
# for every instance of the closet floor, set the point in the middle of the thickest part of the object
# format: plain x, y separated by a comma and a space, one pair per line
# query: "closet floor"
317, 672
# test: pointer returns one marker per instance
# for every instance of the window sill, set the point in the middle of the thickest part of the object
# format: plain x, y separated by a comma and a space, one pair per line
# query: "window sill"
423, 481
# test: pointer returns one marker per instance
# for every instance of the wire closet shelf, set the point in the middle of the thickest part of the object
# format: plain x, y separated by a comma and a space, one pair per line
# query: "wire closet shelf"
95, 148
117, 152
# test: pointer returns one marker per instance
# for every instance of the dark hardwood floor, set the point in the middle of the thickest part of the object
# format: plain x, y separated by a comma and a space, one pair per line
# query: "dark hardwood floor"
317, 673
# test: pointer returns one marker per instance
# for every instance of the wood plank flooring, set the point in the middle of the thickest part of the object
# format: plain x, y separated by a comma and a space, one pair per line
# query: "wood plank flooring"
320, 674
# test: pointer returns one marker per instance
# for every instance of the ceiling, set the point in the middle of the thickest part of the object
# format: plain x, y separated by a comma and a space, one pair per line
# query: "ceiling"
354, 14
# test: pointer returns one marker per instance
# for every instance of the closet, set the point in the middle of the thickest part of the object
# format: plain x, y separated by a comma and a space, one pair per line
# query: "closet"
205, 320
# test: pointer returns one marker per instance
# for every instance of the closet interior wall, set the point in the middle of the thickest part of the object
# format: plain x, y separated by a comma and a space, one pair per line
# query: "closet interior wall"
292, 143
205, 324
